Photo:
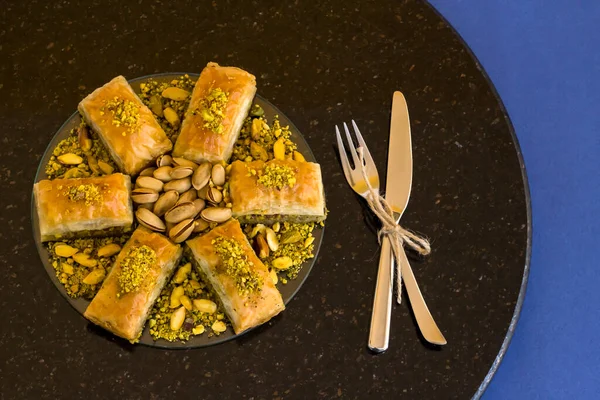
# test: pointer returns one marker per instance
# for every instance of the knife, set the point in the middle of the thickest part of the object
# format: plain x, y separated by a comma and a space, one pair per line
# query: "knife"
398, 186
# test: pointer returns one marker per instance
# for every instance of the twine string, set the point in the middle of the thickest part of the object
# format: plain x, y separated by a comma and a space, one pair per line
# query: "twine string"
397, 235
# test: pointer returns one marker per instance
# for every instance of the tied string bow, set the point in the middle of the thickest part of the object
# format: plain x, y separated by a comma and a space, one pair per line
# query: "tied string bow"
397, 235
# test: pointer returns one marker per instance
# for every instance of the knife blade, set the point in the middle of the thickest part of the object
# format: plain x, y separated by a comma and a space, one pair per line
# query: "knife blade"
398, 182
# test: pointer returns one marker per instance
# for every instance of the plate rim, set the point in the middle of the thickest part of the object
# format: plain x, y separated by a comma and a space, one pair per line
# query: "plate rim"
163, 344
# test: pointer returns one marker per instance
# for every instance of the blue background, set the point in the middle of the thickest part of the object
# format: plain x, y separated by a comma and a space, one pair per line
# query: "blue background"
543, 56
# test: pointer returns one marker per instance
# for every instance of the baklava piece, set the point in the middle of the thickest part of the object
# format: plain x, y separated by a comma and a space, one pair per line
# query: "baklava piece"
139, 273
125, 125
277, 190
218, 106
241, 281
83, 207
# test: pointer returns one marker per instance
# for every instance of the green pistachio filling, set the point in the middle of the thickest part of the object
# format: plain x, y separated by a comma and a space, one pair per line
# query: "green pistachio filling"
212, 110
124, 112
237, 265
277, 176
135, 267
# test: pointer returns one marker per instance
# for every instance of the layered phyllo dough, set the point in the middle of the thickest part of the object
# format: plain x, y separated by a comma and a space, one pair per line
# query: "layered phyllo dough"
125, 125
241, 281
277, 190
83, 207
218, 106
138, 275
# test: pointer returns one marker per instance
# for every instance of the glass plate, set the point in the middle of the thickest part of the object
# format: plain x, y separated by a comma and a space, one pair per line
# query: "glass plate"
288, 291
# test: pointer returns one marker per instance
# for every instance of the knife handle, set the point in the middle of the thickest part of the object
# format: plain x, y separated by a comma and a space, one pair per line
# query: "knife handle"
379, 334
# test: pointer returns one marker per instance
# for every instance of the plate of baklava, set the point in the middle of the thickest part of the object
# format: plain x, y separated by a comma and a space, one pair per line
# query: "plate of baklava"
178, 210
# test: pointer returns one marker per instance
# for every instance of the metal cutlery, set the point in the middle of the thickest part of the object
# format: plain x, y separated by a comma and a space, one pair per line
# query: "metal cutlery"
398, 187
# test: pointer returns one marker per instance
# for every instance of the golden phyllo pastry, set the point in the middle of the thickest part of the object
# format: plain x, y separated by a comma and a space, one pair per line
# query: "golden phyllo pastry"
239, 278
277, 190
125, 125
139, 273
218, 106
83, 207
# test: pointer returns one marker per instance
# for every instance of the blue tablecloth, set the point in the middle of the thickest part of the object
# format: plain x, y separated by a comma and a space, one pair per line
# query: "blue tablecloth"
544, 59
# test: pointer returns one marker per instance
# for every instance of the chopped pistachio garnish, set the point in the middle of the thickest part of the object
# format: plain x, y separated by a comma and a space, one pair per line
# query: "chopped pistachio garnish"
151, 95
256, 130
196, 322
124, 112
212, 109
257, 111
71, 274
277, 176
88, 193
295, 241
55, 169
135, 267
237, 265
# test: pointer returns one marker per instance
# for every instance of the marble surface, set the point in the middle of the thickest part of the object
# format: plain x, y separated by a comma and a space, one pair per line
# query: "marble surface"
321, 65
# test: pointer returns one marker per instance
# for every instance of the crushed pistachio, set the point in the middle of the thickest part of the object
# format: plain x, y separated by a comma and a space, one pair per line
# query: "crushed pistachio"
88, 193
263, 136
153, 88
196, 322
212, 109
71, 274
124, 112
257, 130
251, 172
300, 249
257, 111
277, 176
237, 265
55, 169
134, 268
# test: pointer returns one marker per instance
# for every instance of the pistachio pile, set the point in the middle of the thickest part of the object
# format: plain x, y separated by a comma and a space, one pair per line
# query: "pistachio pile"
186, 307
180, 197
168, 101
260, 141
282, 247
181, 302
82, 264
79, 155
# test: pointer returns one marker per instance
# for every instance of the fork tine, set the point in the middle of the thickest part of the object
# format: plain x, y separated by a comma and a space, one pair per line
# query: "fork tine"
352, 147
344, 157
367, 155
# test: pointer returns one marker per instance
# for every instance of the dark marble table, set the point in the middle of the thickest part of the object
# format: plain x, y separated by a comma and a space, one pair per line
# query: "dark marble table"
321, 65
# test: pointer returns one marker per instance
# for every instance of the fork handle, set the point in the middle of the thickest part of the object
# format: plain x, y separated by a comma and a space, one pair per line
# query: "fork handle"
379, 334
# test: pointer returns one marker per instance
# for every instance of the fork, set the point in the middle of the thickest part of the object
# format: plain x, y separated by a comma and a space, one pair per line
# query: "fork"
382, 303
